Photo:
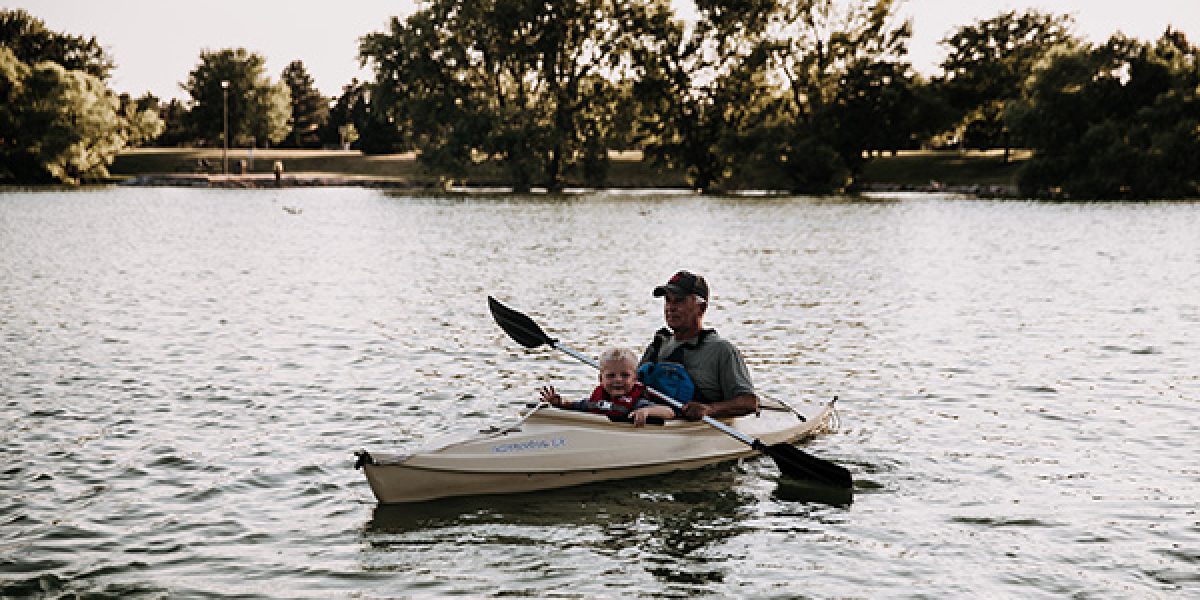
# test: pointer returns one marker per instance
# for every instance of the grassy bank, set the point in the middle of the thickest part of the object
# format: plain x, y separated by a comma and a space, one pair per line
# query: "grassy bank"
181, 161
947, 167
916, 169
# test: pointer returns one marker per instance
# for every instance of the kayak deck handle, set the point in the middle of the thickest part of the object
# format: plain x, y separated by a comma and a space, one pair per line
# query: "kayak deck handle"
364, 458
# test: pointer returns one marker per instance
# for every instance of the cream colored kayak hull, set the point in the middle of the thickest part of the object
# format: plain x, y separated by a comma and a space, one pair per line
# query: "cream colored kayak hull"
551, 448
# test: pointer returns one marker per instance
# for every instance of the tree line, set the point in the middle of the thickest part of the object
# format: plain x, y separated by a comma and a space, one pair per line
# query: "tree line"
801, 92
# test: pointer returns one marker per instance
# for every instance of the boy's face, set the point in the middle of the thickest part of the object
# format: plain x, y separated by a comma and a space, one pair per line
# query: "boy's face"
617, 377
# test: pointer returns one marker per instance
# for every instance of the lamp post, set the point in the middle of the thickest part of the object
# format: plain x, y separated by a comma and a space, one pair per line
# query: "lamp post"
225, 127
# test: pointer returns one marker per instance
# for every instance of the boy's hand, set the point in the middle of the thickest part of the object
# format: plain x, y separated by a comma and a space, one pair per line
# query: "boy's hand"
550, 396
639, 417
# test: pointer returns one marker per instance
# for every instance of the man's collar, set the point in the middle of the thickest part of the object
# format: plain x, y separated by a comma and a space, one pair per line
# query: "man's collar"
695, 340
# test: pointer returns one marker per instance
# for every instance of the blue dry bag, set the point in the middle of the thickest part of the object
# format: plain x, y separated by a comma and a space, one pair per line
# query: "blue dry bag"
669, 378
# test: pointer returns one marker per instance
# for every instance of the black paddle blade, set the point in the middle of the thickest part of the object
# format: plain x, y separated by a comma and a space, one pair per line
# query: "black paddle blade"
519, 327
799, 464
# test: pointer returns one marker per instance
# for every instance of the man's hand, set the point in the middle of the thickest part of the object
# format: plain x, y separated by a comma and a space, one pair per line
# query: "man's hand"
694, 411
742, 404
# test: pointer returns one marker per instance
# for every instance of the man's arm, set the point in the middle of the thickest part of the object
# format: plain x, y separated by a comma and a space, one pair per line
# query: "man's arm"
741, 404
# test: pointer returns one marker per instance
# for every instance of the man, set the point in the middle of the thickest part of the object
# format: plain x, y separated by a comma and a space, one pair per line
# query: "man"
715, 365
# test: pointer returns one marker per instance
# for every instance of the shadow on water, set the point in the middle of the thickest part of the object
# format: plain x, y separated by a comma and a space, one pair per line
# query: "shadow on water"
707, 494
671, 523
675, 524
811, 492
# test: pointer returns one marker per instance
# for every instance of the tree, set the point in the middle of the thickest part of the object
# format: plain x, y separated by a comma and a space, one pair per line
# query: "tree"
523, 83
142, 118
702, 90
987, 64
1121, 120
847, 87
62, 125
268, 111
258, 109
347, 110
356, 122
883, 108
175, 124
310, 110
799, 89
30, 42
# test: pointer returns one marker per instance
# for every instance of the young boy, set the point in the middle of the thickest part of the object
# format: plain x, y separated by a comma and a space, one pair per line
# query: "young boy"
620, 395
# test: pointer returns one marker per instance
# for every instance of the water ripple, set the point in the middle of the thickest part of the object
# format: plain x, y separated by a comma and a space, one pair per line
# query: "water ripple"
183, 374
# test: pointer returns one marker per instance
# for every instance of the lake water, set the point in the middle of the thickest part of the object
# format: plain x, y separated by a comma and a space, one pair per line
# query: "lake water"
185, 373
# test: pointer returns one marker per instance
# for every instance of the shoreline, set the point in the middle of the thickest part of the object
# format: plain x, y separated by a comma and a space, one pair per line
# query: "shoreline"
973, 173
980, 190
268, 181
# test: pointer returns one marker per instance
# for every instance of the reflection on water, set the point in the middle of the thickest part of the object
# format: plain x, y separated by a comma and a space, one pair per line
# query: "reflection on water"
619, 500
665, 525
184, 373
807, 492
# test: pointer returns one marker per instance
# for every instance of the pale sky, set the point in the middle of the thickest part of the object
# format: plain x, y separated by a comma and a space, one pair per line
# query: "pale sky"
156, 43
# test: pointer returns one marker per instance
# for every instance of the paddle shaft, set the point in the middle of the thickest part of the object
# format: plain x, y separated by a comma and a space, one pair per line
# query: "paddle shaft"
739, 436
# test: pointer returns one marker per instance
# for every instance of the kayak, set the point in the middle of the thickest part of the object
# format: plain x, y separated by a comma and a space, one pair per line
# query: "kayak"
548, 447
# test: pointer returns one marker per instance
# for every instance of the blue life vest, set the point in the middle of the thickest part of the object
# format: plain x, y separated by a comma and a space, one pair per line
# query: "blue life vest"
669, 376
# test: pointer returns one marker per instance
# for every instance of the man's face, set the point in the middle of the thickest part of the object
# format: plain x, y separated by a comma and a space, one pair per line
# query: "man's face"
681, 311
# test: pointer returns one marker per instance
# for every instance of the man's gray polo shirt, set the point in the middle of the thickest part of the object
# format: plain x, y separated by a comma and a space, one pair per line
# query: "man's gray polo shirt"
716, 366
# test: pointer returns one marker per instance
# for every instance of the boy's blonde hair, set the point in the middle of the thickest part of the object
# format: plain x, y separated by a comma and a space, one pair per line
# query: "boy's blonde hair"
618, 354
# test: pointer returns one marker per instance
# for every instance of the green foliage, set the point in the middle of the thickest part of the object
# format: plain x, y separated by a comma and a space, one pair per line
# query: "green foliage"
258, 109
811, 166
738, 18
59, 121
527, 83
347, 134
310, 110
876, 107
356, 111
802, 89
175, 124
347, 110
546, 89
987, 64
713, 103
60, 125
31, 43
1118, 120
268, 114
848, 88
704, 101
142, 119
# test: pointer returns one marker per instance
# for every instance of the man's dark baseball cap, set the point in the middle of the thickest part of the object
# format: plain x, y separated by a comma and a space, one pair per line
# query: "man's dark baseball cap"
683, 283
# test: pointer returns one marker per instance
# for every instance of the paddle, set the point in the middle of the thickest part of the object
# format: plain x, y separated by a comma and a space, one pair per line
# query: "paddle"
791, 460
